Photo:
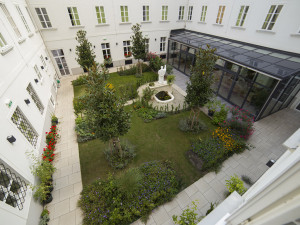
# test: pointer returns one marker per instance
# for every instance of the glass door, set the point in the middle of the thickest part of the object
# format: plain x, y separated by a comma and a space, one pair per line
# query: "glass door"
61, 61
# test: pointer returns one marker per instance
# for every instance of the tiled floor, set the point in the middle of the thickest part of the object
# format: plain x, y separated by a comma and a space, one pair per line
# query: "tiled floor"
270, 133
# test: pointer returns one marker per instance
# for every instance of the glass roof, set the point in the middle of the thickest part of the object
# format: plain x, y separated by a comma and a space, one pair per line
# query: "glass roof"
270, 61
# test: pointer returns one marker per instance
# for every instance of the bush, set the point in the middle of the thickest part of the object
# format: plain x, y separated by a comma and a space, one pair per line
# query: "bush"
160, 115
188, 216
169, 69
247, 180
170, 79
44, 217
128, 91
151, 84
107, 202
83, 130
211, 152
220, 116
235, 184
80, 80
132, 70
147, 95
212, 207
78, 106
155, 62
147, 114
185, 125
114, 158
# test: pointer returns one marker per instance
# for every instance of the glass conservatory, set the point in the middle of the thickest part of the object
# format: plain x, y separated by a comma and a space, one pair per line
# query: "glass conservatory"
258, 79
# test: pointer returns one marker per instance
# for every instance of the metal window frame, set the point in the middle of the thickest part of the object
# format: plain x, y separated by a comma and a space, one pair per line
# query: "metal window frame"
181, 13
124, 10
242, 15
23, 18
190, 13
35, 98
146, 15
164, 11
100, 15
10, 20
72, 14
203, 13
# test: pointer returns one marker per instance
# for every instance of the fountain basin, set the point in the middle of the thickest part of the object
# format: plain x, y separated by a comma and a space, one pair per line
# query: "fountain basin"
164, 97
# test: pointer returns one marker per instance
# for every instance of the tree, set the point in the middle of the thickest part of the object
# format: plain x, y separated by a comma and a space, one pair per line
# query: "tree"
84, 51
199, 88
138, 46
104, 109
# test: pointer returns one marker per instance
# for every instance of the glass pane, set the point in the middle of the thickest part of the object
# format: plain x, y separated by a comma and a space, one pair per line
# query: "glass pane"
232, 67
217, 75
189, 61
249, 74
182, 61
240, 91
226, 84
266, 81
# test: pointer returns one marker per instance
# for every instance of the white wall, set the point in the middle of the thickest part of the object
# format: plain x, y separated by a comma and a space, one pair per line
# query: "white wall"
62, 36
16, 73
281, 37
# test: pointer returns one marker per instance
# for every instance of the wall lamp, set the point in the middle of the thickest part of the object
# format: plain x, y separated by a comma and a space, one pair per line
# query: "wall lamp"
70, 49
36, 80
155, 39
46, 58
11, 139
116, 43
27, 101
42, 67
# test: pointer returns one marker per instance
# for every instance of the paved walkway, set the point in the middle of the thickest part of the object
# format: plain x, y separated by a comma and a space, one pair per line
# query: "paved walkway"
67, 178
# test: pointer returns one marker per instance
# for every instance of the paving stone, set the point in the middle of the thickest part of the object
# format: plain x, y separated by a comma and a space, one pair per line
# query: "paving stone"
73, 201
192, 189
209, 177
62, 208
212, 196
201, 200
176, 211
68, 219
217, 186
202, 185
77, 188
183, 199
169, 222
61, 182
66, 192
65, 171
169, 206
75, 178
160, 216
54, 221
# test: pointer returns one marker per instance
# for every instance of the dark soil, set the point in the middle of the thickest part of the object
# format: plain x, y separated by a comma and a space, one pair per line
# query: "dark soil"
163, 95
194, 159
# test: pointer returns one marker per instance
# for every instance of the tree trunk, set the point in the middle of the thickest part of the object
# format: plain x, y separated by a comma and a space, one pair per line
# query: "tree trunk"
137, 67
141, 68
117, 145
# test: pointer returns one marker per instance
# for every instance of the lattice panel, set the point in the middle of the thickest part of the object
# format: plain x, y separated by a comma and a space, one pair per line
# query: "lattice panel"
12, 188
35, 98
24, 126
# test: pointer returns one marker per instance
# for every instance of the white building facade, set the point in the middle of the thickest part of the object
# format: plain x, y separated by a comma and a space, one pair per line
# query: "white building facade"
27, 96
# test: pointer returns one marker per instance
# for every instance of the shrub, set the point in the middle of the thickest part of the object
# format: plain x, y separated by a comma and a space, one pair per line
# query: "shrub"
170, 79
160, 115
212, 207
220, 116
128, 182
147, 95
120, 162
128, 91
211, 152
188, 216
241, 123
106, 202
155, 62
147, 114
169, 69
185, 125
151, 84
78, 106
83, 130
44, 217
235, 184
132, 70
80, 80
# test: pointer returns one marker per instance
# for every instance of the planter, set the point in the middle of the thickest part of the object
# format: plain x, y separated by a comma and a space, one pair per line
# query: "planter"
109, 65
55, 122
48, 199
164, 101
211, 112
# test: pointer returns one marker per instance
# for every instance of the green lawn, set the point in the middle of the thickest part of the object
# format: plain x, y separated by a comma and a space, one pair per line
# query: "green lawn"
158, 140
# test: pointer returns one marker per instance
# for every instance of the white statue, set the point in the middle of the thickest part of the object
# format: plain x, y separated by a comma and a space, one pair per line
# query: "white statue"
161, 75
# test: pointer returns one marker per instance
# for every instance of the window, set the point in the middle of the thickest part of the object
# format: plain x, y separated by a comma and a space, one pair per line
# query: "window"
37, 71
23, 19
11, 21
272, 17
220, 14
147, 45
106, 50
52, 100
24, 126
203, 13
146, 13
173, 46
163, 44
43, 17
100, 14
124, 14
164, 12
29, 14
3, 43
12, 187
181, 13
74, 17
127, 48
35, 98
242, 16
190, 14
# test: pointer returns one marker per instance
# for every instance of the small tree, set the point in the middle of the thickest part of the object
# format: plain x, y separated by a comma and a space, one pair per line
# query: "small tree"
84, 51
138, 46
105, 110
199, 88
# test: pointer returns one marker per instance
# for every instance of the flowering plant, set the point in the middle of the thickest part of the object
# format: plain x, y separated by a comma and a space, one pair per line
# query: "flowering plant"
51, 137
127, 55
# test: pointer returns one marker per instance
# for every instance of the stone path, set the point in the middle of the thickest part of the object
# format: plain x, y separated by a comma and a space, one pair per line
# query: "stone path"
67, 178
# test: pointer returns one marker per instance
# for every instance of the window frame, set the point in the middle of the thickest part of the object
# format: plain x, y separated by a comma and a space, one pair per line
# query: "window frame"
181, 13
38, 72
100, 15
34, 96
124, 10
242, 15
43, 17
220, 14
23, 19
164, 12
127, 48
190, 13
203, 13
3, 42
146, 13
11, 20
147, 44
30, 17
106, 51
162, 44
74, 16
271, 15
